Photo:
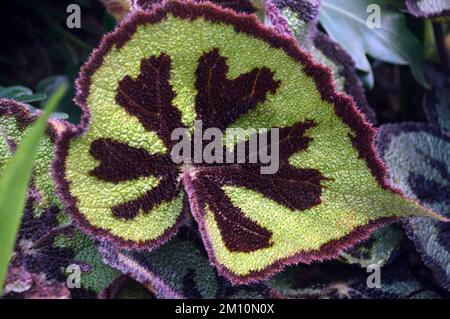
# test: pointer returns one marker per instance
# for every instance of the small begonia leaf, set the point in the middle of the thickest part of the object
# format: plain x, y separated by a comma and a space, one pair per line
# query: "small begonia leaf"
418, 157
183, 61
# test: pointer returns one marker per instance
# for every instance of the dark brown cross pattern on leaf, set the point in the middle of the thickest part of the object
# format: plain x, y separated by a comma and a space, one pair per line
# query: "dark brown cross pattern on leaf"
219, 102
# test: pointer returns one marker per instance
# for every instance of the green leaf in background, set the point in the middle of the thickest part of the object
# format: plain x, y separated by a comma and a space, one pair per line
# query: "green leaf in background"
98, 276
52, 244
17, 172
346, 22
21, 94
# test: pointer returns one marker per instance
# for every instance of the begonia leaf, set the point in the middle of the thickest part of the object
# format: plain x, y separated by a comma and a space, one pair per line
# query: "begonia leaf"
117, 8
179, 269
299, 19
241, 6
161, 70
332, 280
418, 157
299, 16
437, 103
436, 9
45, 249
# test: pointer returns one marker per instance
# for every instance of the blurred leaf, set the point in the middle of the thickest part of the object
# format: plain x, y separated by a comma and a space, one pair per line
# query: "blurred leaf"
17, 172
346, 22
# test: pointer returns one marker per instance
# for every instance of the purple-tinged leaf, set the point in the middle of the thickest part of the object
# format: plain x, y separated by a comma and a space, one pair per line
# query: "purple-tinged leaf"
299, 19
437, 104
418, 157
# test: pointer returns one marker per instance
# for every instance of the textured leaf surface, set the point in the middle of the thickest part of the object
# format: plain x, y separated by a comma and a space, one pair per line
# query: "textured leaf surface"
162, 70
332, 280
439, 9
418, 156
43, 248
298, 19
179, 269
22, 284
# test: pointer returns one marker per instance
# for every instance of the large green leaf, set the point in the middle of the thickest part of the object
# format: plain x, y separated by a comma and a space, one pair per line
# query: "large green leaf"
346, 22
187, 62
14, 183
